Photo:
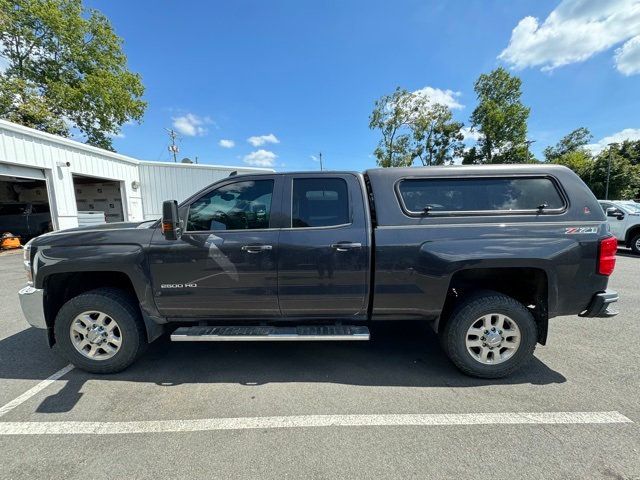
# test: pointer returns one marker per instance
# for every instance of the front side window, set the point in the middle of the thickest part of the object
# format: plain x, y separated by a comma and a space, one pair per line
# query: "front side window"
319, 202
479, 195
235, 206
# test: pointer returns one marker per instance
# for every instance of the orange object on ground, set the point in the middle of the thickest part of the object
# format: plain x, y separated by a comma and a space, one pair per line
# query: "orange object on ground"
9, 242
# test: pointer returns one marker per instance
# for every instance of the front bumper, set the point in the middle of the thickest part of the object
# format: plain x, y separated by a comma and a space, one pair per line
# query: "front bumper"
32, 303
600, 305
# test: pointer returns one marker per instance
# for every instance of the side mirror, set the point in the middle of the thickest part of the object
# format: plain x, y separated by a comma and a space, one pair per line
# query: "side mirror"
171, 228
615, 212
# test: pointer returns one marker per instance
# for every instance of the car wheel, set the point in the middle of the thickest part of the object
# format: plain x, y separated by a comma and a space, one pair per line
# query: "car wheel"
100, 331
489, 335
635, 244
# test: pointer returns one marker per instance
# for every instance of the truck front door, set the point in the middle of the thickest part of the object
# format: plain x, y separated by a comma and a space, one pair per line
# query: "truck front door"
323, 266
225, 263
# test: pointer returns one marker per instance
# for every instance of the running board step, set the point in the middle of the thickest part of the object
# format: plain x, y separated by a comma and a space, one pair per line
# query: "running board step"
270, 334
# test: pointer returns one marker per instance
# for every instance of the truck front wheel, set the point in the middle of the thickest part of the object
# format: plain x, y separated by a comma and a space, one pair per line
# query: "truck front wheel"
100, 331
490, 335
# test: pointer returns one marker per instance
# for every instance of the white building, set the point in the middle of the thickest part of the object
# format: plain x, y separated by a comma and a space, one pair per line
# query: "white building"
67, 177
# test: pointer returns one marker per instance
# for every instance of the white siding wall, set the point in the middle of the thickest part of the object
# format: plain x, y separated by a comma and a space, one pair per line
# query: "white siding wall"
30, 148
40, 153
178, 181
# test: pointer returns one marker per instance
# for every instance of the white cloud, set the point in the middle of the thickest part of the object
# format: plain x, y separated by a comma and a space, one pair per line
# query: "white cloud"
260, 140
618, 137
260, 158
191, 125
628, 57
573, 32
224, 143
470, 135
443, 97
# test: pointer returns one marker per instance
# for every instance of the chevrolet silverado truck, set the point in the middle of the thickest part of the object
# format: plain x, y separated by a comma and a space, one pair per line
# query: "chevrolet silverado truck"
485, 254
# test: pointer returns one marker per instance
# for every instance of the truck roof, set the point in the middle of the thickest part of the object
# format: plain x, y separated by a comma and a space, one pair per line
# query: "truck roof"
441, 170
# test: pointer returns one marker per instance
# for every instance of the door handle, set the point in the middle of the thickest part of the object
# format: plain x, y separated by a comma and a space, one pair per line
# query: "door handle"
256, 248
345, 246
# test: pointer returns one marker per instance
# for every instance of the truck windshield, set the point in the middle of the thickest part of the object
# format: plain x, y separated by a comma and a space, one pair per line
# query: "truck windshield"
631, 207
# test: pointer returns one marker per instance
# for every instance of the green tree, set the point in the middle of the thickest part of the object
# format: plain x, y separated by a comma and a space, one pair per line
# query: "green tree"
413, 127
438, 138
624, 178
393, 116
580, 161
574, 141
501, 118
66, 70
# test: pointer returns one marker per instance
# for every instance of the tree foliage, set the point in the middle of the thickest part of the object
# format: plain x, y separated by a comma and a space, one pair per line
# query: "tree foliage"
66, 70
572, 142
623, 158
413, 127
501, 119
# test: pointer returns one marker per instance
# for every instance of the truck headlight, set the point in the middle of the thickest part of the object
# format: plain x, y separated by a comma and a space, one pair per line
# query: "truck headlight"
26, 260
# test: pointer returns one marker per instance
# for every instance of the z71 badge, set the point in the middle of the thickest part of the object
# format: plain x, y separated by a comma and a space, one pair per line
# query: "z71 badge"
573, 230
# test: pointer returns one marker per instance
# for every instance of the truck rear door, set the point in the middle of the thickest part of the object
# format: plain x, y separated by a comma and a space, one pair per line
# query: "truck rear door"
324, 260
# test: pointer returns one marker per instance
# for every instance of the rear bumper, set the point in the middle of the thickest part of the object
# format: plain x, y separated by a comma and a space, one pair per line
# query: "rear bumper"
600, 305
31, 301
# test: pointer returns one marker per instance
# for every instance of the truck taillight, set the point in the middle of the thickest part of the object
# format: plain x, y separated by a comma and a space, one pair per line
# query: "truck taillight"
607, 255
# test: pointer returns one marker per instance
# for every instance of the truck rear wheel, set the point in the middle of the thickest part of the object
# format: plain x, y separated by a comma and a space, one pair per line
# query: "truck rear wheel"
100, 331
490, 335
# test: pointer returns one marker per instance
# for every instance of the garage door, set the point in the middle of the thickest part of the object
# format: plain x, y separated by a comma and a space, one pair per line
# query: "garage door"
19, 171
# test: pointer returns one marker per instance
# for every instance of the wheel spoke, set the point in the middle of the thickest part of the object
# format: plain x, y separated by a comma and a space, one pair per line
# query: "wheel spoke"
478, 332
76, 327
484, 354
111, 325
86, 320
93, 350
109, 350
101, 318
486, 322
510, 345
500, 322
113, 340
474, 343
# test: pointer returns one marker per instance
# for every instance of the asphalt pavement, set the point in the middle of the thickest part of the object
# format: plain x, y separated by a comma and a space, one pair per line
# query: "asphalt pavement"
393, 407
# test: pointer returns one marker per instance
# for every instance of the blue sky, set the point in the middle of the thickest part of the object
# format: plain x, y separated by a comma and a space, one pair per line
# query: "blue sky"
306, 73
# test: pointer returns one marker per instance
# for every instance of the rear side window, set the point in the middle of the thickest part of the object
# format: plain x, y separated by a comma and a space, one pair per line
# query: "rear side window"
453, 195
319, 202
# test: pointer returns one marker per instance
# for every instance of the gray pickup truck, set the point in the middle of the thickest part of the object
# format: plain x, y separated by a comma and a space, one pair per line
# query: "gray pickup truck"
485, 255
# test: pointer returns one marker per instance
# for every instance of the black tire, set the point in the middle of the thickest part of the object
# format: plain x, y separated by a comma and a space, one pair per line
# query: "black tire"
118, 305
466, 313
635, 244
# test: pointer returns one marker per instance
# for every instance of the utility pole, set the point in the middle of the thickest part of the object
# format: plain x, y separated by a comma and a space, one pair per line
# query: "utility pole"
173, 148
320, 158
606, 192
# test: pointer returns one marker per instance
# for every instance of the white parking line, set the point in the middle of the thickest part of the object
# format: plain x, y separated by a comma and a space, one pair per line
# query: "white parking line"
32, 391
305, 421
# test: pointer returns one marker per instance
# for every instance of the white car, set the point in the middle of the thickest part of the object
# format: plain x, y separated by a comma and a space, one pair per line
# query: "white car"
623, 217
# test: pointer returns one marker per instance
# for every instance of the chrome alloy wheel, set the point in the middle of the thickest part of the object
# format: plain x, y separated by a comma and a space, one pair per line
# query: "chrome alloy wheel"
638, 244
493, 338
96, 335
